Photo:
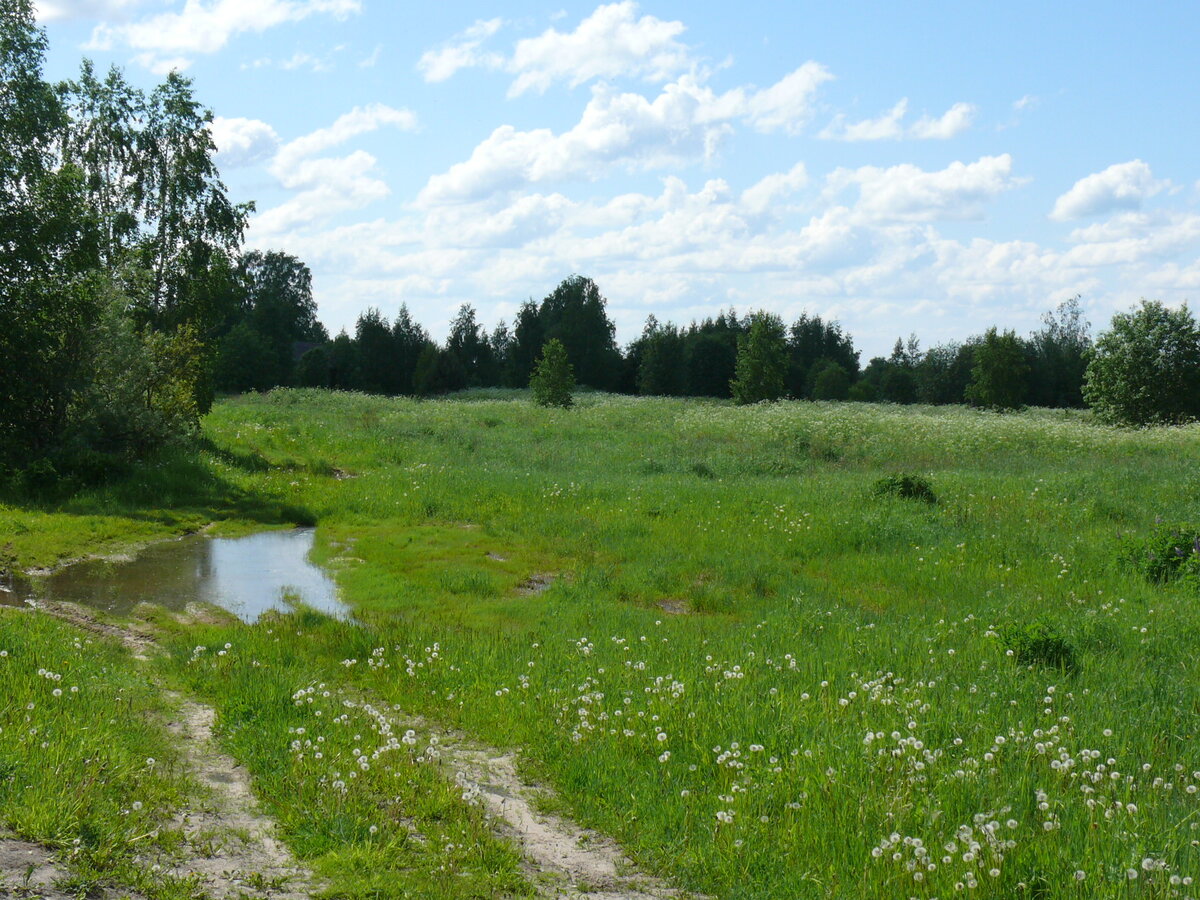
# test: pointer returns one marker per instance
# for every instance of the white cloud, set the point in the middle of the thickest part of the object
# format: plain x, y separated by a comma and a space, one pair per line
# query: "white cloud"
461, 52
615, 129
611, 42
369, 62
360, 120
1029, 101
243, 142
298, 60
760, 196
684, 123
327, 186
952, 122
908, 193
787, 104
890, 126
174, 38
62, 10
1120, 186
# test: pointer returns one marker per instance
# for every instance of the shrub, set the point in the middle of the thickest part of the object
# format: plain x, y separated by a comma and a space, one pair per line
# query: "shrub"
762, 362
906, 487
1171, 552
1039, 644
553, 378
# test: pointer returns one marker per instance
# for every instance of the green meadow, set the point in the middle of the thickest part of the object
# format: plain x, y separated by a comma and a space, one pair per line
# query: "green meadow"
700, 624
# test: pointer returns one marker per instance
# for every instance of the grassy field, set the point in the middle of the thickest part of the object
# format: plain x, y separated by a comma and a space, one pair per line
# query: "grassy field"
704, 630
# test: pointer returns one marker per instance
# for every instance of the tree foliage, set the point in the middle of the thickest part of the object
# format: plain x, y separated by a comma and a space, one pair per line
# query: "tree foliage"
553, 379
1146, 367
1000, 374
762, 361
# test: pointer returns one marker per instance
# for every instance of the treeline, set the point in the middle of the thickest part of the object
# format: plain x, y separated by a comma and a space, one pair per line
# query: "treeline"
811, 359
125, 300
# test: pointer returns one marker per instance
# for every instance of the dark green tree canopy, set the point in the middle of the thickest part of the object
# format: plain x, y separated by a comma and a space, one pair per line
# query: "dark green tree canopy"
999, 378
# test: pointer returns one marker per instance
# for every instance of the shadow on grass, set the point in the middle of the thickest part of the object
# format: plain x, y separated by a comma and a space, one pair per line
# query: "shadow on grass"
174, 487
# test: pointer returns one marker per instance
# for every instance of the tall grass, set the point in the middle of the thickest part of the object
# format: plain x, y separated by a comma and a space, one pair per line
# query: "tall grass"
839, 714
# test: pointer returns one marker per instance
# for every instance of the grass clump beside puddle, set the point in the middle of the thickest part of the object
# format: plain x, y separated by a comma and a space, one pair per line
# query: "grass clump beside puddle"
838, 693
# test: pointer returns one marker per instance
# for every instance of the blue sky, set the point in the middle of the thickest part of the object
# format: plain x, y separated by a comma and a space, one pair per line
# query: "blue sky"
925, 167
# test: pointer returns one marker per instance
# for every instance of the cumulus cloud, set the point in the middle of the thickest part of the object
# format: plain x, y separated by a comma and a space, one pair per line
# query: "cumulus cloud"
787, 104
360, 120
243, 142
327, 186
63, 10
953, 121
887, 127
890, 126
1120, 186
908, 193
611, 42
175, 38
461, 52
760, 196
684, 123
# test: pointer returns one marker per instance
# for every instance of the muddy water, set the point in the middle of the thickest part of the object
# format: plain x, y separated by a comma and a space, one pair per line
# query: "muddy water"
247, 576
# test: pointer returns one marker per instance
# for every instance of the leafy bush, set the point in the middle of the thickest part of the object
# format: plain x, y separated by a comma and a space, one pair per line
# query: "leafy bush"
907, 487
1039, 644
1171, 552
553, 379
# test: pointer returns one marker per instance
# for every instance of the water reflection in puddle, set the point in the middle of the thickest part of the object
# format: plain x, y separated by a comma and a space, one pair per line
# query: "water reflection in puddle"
247, 576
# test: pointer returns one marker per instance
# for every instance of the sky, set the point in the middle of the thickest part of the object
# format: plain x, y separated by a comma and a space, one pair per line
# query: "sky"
928, 168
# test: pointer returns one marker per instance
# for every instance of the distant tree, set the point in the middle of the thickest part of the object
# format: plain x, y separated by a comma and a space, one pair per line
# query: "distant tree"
409, 340
279, 306
710, 355
1000, 376
469, 342
529, 334
438, 372
376, 354
811, 342
313, 369
1146, 368
575, 313
898, 383
244, 361
944, 372
761, 372
344, 369
500, 343
1058, 356
661, 371
830, 381
553, 381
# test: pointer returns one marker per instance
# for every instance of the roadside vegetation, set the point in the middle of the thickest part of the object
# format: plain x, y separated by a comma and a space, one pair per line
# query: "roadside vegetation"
715, 635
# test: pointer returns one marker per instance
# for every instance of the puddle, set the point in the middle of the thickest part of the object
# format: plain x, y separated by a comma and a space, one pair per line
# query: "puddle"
247, 576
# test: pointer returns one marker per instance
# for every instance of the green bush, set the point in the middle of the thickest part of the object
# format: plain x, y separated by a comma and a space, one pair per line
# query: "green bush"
553, 379
1170, 553
907, 487
1039, 644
